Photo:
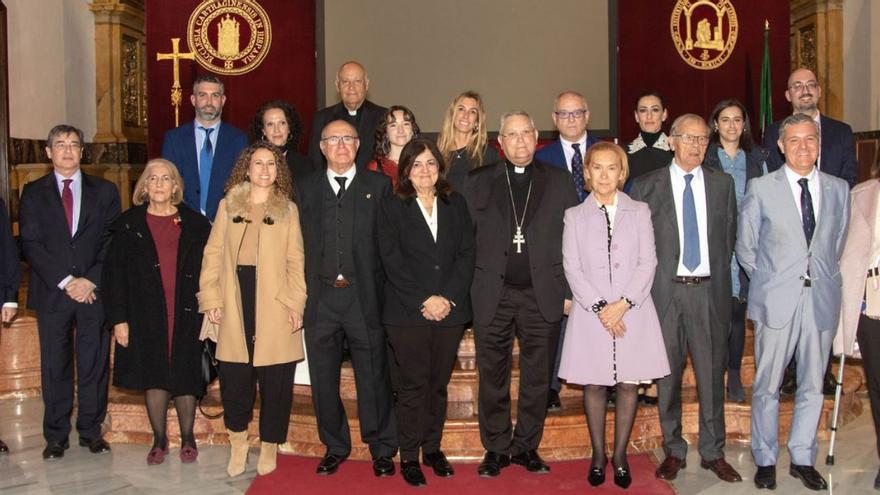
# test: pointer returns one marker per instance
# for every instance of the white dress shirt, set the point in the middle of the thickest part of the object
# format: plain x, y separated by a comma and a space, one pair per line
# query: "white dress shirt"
698, 186
611, 209
812, 184
568, 150
431, 218
349, 174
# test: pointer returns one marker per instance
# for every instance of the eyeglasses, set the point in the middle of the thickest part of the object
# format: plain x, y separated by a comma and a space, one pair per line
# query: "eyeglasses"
799, 87
688, 139
576, 114
525, 135
71, 146
334, 140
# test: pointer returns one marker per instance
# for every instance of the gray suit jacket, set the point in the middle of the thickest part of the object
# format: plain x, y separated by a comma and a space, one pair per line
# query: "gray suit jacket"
655, 188
772, 249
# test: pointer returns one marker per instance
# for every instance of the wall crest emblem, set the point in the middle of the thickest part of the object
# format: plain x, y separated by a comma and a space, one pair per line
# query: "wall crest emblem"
229, 36
704, 32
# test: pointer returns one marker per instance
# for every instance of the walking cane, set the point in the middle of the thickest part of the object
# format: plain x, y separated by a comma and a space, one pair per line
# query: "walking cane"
829, 460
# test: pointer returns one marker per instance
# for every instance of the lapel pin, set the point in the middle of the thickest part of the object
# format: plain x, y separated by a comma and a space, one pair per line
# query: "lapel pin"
369, 195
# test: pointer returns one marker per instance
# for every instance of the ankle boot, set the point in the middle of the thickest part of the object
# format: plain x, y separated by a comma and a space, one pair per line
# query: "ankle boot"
238, 451
266, 463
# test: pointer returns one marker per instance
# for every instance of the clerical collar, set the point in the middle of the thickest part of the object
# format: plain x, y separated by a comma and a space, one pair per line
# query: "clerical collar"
517, 171
354, 112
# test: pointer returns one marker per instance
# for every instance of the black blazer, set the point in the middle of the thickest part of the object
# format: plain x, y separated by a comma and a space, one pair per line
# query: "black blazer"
370, 118
133, 294
838, 154
368, 189
298, 165
46, 241
488, 198
10, 262
655, 188
417, 268
755, 160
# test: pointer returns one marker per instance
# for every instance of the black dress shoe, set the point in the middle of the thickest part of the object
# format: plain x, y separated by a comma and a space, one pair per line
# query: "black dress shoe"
829, 384
622, 477
766, 477
789, 383
438, 462
55, 450
3, 448
597, 474
553, 402
492, 464
95, 445
383, 466
412, 473
808, 476
329, 464
531, 461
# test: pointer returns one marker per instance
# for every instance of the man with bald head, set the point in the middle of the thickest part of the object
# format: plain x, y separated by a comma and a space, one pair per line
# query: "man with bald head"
338, 206
352, 84
518, 291
693, 209
837, 155
791, 233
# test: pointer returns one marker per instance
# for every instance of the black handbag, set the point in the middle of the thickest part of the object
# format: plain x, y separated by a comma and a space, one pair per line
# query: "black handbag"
209, 373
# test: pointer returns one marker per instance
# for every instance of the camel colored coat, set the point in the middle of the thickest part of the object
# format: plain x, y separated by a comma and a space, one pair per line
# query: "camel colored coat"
855, 261
281, 283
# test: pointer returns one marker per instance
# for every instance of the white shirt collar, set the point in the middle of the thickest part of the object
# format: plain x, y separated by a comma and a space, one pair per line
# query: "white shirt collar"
582, 142
77, 177
793, 177
349, 174
679, 172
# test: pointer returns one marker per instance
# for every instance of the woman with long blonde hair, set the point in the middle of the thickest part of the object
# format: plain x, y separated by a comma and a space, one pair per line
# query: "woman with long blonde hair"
463, 139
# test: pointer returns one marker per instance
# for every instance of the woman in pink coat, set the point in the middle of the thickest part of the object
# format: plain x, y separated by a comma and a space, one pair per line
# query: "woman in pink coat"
613, 336
859, 272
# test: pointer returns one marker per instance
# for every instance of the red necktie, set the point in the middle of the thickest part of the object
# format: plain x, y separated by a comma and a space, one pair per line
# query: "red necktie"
67, 200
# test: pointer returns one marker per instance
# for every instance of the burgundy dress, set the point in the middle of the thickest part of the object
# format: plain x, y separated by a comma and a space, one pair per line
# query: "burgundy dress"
166, 236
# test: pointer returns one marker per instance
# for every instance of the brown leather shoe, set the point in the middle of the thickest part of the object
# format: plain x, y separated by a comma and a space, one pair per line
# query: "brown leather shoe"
670, 467
722, 469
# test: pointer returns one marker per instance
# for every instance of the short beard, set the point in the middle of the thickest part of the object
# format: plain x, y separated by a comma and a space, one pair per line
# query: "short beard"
209, 117
810, 108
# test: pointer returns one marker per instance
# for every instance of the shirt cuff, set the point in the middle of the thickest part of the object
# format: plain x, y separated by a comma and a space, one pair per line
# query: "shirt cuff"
12, 305
67, 280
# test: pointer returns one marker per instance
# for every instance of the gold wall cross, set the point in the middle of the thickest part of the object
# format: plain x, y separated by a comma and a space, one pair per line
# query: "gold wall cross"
175, 56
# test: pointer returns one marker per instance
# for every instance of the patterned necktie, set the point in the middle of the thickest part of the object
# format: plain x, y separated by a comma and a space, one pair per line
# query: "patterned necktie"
807, 215
206, 161
577, 171
67, 201
691, 258
341, 191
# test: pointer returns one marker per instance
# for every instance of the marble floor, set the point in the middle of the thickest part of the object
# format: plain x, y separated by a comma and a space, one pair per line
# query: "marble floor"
124, 471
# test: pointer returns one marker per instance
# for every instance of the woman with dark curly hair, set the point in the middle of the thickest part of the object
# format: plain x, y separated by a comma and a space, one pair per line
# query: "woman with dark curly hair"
278, 122
252, 287
398, 127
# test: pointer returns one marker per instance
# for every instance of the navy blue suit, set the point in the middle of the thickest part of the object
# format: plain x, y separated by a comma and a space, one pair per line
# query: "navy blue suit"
838, 154
553, 154
53, 254
179, 147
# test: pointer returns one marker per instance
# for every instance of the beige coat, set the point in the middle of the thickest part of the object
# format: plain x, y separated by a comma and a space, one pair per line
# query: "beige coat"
281, 283
854, 262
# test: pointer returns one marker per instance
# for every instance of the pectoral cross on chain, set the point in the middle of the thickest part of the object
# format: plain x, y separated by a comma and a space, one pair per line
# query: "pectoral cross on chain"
519, 239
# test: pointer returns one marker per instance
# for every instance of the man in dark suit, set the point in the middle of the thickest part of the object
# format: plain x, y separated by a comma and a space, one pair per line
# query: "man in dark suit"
64, 219
571, 116
837, 157
838, 154
10, 276
352, 84
519, 290
338, 207
204, 164
693, 209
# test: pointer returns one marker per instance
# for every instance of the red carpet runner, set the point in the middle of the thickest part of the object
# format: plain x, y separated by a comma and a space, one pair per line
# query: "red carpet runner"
297, 475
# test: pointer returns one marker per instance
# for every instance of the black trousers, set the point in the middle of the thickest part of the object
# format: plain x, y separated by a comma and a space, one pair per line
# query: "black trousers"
74, 328
737, 341
517, 317
339, 319
869, 346
238, 381
426, 355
